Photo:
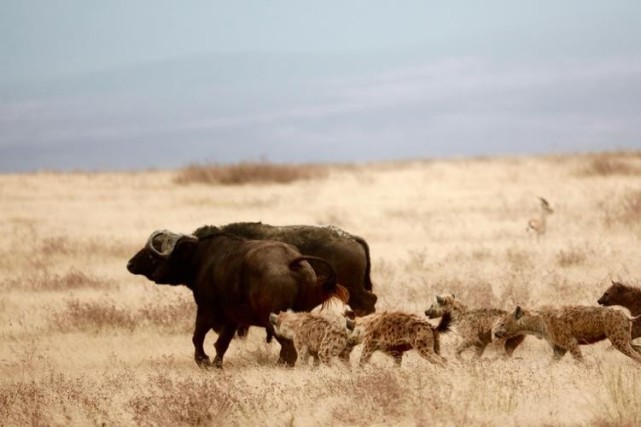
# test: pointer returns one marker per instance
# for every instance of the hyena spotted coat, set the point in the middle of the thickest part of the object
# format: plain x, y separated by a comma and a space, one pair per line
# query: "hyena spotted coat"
396, 332
628, 297
315, 335
474, 326
565, 328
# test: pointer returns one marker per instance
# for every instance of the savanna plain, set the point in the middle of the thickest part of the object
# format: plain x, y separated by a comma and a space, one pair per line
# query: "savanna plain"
84, 342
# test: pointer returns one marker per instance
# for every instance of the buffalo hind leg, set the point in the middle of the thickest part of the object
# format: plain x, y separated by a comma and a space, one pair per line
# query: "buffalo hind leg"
222, 343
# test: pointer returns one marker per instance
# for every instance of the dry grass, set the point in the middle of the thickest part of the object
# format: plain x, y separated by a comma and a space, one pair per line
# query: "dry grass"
87, 343
248, 173
625, 211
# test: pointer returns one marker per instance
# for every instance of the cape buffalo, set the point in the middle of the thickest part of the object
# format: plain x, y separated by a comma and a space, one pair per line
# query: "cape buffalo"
347, 253
236, 281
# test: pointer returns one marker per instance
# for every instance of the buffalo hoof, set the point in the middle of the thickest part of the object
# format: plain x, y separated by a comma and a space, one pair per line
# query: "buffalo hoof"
203, 362
286, 362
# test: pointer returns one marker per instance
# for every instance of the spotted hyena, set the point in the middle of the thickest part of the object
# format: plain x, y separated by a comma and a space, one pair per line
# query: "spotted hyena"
474, 326
315, 335
396, 332
567, 327
628, 297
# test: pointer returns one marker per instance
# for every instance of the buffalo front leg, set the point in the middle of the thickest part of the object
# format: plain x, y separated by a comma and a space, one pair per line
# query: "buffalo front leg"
203, 325
222, 343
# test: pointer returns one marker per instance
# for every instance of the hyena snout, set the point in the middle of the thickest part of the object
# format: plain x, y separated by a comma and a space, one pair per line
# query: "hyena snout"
499, 332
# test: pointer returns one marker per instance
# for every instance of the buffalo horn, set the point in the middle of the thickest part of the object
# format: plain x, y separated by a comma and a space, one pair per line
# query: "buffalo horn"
164, 246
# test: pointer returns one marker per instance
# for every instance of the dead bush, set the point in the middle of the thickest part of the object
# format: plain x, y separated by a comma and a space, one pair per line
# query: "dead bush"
185, 401
248, 173
174, 317
46, 281
93, 315
608, 164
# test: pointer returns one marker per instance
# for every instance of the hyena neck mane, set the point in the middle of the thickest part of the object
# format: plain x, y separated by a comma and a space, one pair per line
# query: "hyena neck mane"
534, 324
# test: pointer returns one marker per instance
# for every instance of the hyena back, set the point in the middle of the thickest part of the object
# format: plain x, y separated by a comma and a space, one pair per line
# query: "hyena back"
474, 326
314, 335
567, 327
396, 332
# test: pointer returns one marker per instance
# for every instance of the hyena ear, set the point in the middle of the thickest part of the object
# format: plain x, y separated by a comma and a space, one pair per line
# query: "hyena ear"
273, 318
518, 312
616, 284
439, 299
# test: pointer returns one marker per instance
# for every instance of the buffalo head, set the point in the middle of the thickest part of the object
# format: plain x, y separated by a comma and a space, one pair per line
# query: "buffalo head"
165, 258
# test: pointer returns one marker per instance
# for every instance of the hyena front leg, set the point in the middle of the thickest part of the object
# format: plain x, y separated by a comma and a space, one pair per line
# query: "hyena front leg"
559, 352
512, 343
575, 350
369, 347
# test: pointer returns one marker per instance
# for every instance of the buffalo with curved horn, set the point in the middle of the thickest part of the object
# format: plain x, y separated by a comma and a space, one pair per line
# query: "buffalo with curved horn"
236, 281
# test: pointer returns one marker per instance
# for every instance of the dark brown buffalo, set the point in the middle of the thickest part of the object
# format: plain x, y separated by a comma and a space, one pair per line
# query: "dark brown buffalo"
347, 253
236, 281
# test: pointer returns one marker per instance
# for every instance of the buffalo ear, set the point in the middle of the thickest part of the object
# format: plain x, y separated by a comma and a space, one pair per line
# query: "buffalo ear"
518, 312
184, 248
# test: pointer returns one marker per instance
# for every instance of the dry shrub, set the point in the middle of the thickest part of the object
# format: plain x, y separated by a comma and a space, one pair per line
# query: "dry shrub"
174, 317
608, 164
570, 257
626, 212
248, 173
93, 316
45, 281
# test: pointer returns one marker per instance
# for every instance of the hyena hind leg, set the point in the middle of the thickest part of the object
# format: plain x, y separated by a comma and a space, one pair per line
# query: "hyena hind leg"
625, 347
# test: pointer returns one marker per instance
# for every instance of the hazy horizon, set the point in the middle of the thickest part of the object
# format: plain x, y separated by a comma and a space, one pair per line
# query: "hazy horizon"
141, 85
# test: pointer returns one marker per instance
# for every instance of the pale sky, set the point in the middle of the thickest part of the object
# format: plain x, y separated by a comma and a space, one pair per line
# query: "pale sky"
103, 85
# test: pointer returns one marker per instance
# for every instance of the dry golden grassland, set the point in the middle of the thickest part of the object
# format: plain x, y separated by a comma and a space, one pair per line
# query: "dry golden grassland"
84, 342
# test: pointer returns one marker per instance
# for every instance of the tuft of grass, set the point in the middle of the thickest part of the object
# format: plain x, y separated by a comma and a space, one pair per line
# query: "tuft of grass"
248, 173
620, 406
570, 257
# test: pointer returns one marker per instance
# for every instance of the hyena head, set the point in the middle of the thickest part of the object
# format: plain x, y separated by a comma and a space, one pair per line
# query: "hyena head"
286, 323
447, 303
614, 295
509, 324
